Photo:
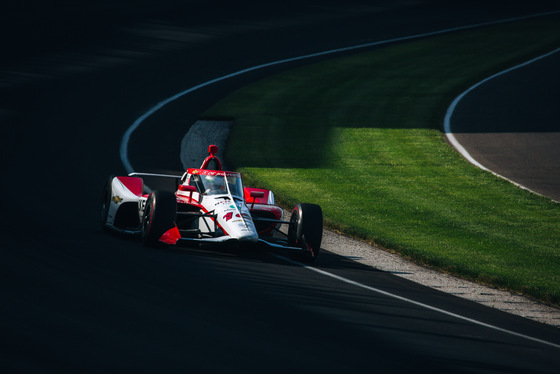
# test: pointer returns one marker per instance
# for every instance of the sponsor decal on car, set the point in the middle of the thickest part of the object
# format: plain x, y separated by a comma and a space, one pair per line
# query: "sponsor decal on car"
229, 216
213, 172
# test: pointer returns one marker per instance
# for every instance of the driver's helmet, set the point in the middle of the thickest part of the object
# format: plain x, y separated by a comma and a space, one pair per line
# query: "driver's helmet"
215, 184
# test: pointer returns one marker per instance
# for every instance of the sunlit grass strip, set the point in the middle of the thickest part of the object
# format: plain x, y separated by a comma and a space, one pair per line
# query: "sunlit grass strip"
360, 136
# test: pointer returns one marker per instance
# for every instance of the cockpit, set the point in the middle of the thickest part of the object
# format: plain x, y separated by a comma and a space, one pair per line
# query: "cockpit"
211, 182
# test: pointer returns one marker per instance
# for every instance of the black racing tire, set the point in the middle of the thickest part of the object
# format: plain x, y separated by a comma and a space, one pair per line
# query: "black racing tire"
306, 231
159, 216
106, 202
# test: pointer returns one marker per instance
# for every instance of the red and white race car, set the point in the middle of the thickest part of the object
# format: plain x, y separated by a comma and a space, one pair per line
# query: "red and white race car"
210, 205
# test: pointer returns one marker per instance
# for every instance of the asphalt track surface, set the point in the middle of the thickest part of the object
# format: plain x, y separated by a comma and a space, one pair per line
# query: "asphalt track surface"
513, 119
75, 299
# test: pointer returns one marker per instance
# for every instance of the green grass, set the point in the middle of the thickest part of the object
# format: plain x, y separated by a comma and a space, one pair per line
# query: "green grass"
361, 136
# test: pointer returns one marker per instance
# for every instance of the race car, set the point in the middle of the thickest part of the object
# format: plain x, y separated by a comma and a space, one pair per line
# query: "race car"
208, 206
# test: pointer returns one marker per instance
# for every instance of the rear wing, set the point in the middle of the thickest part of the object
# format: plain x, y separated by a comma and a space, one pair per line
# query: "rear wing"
155, 175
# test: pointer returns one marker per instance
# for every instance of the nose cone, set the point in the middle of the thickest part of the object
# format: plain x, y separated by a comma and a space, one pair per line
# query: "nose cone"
249, 237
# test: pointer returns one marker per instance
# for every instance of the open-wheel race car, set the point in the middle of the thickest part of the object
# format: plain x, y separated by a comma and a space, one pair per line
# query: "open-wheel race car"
209, 206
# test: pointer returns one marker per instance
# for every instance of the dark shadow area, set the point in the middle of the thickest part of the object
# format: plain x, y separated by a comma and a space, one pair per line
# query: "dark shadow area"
522, 100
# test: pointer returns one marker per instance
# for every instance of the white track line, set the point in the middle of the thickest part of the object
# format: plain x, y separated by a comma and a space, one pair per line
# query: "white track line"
141, 119
161, 104
447, 120
422, 305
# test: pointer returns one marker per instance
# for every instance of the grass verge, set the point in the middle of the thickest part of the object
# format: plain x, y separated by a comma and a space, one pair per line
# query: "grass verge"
361, 136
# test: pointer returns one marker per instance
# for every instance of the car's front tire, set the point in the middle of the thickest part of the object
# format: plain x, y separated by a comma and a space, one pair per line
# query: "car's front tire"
159, 216
306, 231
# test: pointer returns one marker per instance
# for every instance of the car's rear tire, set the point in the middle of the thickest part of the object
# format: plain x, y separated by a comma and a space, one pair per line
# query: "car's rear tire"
106, 203
306, 231
159, 216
